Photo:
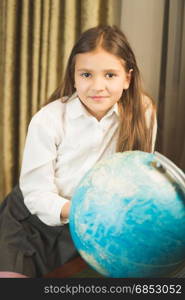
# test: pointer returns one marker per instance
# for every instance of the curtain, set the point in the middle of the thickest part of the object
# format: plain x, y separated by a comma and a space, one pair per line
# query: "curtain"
172, 91
36, 37
158, 40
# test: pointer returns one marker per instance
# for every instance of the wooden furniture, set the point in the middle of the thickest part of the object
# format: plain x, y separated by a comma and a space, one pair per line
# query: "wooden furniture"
69, 269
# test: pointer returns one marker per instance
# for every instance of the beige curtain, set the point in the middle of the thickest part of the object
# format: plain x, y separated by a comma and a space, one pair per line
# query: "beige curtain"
36, 37
156, 30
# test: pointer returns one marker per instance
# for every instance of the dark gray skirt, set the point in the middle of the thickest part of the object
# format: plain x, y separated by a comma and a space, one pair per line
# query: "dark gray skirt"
27, 245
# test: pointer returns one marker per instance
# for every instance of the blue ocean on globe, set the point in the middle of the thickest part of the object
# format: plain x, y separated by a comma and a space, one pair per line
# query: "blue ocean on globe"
127, 217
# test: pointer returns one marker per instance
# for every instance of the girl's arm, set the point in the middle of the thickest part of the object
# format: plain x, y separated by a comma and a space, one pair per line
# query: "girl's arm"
149, 112
154, 132
37, 178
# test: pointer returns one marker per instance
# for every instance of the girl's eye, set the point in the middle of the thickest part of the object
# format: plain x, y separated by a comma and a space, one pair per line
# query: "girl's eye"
86, 75
110, 75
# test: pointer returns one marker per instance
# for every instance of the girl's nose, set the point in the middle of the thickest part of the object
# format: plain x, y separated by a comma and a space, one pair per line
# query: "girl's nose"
98, 84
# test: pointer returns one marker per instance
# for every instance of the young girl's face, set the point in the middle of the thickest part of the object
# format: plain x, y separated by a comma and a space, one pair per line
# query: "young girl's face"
100, 78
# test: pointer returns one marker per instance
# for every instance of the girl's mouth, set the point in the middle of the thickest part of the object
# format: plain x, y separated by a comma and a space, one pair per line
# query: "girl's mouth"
98, 98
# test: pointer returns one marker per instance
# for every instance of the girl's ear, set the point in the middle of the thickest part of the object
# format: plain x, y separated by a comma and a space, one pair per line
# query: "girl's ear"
129, 76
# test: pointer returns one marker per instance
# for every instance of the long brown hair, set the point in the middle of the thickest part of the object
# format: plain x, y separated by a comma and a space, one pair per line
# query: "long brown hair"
134, 134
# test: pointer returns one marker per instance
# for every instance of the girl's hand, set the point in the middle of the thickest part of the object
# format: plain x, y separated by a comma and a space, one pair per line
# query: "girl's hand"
65, 210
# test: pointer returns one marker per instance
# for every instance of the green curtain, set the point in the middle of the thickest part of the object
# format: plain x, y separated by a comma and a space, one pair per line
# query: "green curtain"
36, 37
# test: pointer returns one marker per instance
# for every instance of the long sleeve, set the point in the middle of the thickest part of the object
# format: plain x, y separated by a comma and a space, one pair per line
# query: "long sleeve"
37, 178
154, 133
148, 115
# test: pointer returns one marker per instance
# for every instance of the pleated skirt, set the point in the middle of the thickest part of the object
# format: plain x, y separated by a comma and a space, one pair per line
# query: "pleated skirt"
27, 245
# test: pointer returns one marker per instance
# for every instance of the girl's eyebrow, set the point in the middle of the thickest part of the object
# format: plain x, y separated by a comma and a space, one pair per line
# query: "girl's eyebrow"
86, 70
106, 70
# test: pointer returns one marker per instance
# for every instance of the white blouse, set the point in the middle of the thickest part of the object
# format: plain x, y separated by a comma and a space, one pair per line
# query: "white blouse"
63, 142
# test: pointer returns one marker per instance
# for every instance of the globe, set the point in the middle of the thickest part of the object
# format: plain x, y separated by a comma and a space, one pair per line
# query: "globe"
127, 216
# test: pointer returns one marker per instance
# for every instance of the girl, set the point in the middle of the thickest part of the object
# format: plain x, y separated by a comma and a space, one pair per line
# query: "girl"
99, 109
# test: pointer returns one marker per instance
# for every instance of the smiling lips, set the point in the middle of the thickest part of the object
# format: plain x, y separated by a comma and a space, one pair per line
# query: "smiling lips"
98, 97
